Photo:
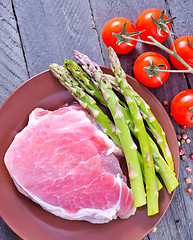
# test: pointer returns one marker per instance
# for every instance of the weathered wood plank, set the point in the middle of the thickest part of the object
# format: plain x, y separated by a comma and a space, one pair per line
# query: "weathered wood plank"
183, 10
50, 30
182, 26
176, 223
12, 64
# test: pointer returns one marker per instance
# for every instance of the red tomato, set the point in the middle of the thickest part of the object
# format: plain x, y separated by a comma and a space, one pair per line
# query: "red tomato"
144, 22
116, 25
143, 61
184, 50
180, 108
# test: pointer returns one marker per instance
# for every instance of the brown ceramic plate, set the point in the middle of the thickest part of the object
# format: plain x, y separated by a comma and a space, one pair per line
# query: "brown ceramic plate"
28, 219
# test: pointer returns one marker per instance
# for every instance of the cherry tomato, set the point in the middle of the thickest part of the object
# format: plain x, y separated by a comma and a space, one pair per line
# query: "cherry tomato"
144, 61
115, 25
144, 22
181, 108
184, 50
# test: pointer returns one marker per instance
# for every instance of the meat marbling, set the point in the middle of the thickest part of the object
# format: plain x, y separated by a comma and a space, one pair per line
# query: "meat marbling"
61, 161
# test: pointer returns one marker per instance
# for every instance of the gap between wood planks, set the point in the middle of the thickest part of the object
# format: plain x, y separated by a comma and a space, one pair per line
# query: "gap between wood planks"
19, 34
94, 27
173, 30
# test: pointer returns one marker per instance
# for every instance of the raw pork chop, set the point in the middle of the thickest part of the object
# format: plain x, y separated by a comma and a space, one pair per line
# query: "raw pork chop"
62, 162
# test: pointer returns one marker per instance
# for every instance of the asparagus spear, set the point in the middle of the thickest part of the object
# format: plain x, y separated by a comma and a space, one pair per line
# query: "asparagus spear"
149, 169
151, 121
159, 184
85, 100
129, 148
156, 129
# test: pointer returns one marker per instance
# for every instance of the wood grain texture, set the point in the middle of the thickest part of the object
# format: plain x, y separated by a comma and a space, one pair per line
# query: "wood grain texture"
182, 25
12, 64
35, 33
50, 30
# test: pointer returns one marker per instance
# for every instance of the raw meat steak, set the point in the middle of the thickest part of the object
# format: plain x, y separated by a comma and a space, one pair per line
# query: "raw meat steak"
65, 164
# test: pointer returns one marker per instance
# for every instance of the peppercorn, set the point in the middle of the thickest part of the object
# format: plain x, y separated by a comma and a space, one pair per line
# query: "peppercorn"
179, 137
184, 158
184, 136
182, 141
188, 180
188, 169
183, 127
188, 140
191, 157
165, 102
154, 229
178, 222
189, 190
181, 152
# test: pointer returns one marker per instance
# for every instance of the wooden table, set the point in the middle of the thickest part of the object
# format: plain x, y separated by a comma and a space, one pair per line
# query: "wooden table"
35, 33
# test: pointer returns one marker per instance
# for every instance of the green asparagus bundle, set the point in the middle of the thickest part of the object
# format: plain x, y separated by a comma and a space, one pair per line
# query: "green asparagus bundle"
89, 81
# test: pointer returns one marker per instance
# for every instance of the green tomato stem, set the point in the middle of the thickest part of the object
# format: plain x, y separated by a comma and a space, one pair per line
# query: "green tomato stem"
172, 42
172, 71
142, 41
173, 53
